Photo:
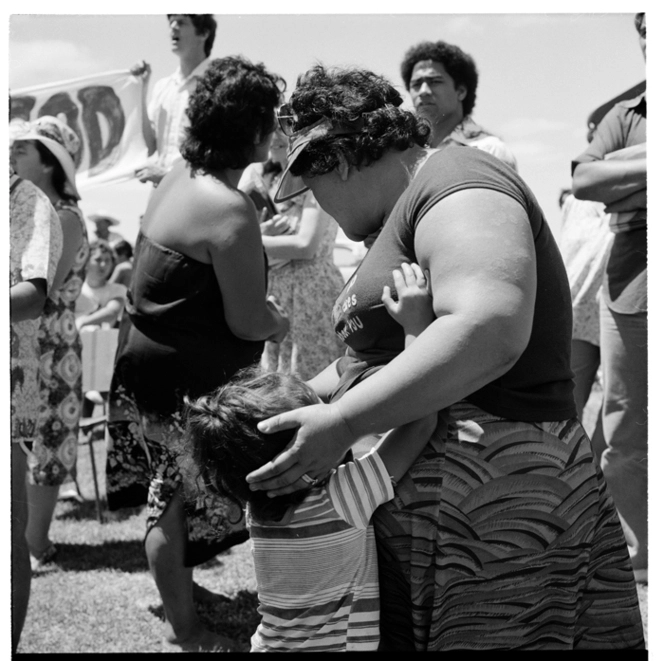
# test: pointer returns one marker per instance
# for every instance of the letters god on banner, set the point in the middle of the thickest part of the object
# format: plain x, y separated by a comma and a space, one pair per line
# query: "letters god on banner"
105, 112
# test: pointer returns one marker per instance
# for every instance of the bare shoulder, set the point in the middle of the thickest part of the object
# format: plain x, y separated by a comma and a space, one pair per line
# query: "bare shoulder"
223, 218
207, 192
199, 215
215, 200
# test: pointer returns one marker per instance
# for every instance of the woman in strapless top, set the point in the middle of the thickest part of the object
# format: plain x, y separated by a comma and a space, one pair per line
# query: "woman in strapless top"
196, 312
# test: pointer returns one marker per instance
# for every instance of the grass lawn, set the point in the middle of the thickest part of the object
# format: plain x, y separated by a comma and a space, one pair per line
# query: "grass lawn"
98, 595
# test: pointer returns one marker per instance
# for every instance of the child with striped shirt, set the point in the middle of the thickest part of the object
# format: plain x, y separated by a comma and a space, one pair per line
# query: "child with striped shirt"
314, 550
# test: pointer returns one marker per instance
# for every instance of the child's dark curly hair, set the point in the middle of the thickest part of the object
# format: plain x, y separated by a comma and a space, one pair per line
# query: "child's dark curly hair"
234, 103
223, 443
458, 64
344, 96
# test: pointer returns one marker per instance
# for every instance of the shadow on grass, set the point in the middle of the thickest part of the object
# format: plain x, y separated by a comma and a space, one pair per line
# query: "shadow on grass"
236, 618
72, 510
126, 556
121, 555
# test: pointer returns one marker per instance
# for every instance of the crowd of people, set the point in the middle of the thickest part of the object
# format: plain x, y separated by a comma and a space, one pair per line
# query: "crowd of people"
248, 374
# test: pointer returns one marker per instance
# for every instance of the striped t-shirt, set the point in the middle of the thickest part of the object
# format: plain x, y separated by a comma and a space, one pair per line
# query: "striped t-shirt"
317, 569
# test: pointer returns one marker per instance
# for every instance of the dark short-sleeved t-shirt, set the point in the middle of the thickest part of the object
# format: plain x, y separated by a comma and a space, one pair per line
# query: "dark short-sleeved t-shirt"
539, 386
625, 282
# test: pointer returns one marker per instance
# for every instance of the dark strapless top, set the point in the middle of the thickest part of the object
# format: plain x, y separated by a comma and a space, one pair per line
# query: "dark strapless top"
172, 290
174, 339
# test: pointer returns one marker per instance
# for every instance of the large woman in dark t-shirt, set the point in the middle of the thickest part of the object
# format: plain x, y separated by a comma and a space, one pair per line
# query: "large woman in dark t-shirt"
501, 535
196, 313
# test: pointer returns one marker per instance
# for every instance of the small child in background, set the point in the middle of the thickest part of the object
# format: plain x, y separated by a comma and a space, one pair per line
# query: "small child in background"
314, 550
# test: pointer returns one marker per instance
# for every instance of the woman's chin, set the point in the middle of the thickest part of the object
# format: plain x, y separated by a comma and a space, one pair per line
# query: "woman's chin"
354, 237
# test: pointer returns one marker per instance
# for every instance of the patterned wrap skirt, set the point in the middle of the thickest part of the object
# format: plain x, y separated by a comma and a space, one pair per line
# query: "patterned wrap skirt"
52, 461
502, 536
144, 464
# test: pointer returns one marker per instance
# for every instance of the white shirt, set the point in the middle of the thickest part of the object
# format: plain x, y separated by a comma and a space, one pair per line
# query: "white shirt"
167, 112
93, 299
468, 132
496, 147
585, 243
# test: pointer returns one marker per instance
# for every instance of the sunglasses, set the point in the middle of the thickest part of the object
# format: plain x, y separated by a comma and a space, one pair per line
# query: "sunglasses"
287, 119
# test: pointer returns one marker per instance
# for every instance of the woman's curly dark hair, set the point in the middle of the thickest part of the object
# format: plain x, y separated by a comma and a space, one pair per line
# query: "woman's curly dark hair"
344, 96
222, 442
234, 101
459, 65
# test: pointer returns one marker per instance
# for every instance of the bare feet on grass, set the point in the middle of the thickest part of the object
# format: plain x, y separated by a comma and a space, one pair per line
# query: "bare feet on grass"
202, 640
204, 596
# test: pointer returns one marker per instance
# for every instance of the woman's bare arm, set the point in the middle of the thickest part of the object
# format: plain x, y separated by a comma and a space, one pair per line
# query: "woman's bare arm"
400, 447
325, 381
478, 248
305, 243
109, 313
236, 253
27, 299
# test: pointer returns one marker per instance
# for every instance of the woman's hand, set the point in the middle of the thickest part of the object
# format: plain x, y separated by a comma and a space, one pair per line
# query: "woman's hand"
276, 226
321, 440
108, 314
303, 239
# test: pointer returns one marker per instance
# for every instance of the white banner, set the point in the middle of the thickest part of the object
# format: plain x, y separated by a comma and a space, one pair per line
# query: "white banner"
105, 112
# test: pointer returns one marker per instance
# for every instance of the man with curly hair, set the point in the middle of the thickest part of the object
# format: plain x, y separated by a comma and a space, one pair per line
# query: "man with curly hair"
164, 118
442, 82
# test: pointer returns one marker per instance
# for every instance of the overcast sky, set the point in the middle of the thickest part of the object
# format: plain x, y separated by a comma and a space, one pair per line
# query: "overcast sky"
540, 74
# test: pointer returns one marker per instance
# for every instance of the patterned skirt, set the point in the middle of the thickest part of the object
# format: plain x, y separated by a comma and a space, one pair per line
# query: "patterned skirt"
52, 461
144, 465
306, 290
502, 536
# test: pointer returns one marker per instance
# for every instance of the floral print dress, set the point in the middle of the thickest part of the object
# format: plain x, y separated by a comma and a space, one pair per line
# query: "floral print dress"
306, 289
35, 249
53, 456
